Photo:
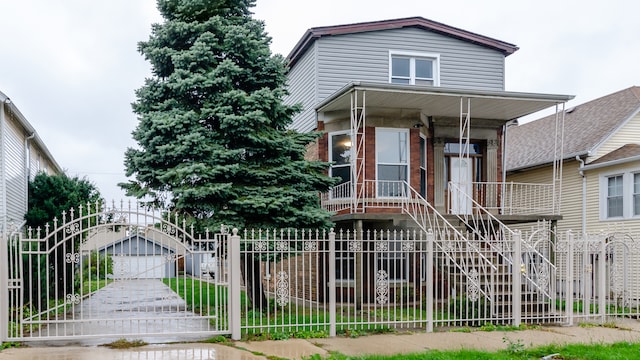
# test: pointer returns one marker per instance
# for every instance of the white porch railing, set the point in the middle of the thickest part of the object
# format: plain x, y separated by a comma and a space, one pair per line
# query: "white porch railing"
374, 194
509, 198
497, 197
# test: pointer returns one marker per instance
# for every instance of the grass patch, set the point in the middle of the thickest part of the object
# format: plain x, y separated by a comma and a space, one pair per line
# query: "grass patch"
91, 286
9, 345
125, 344
514, 350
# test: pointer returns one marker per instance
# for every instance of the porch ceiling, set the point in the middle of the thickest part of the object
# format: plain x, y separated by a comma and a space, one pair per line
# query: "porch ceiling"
440, 101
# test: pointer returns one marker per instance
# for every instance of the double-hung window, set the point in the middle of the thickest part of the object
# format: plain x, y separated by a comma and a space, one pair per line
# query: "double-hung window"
392, 156
620, 195
614, 196
413, 68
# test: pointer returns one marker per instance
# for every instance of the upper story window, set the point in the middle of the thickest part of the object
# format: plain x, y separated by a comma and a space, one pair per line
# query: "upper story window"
414, 68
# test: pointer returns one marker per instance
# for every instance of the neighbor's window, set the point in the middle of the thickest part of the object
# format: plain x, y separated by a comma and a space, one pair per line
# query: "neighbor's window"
413, 69
614, 196
636, 194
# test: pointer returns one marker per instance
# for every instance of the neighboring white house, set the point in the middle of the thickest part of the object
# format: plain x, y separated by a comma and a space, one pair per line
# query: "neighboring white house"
601, 153
22, 155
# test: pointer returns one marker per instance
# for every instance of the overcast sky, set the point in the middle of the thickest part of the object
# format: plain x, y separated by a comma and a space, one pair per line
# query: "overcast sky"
71, 66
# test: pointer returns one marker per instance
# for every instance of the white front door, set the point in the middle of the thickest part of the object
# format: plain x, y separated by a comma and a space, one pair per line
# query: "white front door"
462, 178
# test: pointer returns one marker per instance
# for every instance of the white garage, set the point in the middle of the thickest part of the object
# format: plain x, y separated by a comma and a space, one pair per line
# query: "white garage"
137, 257
139, 267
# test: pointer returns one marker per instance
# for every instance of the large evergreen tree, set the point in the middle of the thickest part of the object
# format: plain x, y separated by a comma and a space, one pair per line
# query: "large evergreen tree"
213, 134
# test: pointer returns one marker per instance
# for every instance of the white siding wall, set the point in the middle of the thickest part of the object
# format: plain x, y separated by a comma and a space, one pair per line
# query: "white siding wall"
338, 60
15, 172
571, 197
629, 133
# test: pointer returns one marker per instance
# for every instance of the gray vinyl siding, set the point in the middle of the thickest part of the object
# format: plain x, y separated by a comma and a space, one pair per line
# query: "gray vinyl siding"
338, 60
15, 174
302, 87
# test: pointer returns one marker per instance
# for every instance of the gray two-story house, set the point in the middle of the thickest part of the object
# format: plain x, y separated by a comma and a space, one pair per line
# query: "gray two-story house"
414, 115
409, 108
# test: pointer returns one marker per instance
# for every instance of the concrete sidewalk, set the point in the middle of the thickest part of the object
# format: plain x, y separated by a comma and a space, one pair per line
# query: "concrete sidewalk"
403, 343
385, 344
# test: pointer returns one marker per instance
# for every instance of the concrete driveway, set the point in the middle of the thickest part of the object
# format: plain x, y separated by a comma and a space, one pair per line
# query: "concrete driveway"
144, 309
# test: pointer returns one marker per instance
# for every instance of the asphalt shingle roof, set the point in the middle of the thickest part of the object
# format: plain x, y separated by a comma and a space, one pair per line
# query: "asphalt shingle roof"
623, 152
585, 127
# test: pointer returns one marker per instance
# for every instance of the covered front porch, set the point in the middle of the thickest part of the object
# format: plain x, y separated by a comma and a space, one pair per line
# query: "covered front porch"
395, 146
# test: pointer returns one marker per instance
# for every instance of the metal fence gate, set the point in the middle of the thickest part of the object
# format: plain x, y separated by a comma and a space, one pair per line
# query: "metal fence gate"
133, 272
120, 272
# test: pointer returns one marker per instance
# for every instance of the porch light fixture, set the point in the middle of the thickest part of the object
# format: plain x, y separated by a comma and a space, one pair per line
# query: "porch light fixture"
418, 125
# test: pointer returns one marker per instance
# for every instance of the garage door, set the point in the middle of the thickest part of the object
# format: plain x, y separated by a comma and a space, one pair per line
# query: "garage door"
139, 267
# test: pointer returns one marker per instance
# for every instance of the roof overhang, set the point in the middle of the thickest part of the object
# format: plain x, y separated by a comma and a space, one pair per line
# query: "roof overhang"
627, 160
439, 101
6, 103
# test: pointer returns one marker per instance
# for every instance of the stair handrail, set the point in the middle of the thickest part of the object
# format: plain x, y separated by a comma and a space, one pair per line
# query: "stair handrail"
477, 223
420, 211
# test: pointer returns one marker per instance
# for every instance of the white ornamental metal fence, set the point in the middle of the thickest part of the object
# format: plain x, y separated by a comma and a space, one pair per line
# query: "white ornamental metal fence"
165, 280
350, 281
118, 272
598, 276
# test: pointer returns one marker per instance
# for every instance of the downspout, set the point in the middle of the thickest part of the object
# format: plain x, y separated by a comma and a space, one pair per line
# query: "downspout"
27, 170
584, 195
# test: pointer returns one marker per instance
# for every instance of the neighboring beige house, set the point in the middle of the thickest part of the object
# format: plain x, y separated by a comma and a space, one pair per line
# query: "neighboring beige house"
22, 155
600, 176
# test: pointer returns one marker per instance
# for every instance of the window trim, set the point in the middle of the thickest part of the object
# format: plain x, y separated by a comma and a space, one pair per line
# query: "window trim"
412, 55
608, 196
628, 175
635, 196
378, 163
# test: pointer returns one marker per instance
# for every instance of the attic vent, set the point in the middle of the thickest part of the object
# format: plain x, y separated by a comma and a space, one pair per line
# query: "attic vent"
570, 110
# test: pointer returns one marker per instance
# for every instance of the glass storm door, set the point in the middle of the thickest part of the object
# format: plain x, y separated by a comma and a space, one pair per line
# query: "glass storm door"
462, 177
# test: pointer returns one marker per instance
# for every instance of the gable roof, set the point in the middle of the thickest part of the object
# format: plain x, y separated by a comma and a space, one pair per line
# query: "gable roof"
621, 155
315, 33
585, 127
10, 108
142, 241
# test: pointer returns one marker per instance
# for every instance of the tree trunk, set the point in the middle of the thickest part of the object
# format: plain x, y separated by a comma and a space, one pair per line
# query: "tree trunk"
252, 274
